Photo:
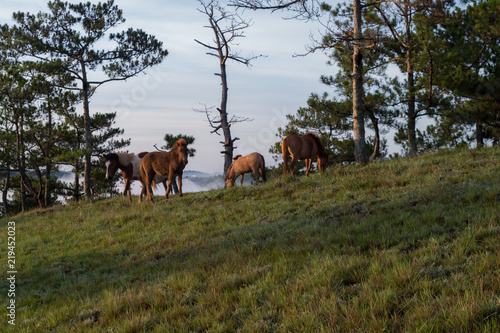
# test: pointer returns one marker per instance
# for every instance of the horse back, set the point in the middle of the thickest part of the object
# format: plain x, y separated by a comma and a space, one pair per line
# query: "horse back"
300, 146
136, 172
249, 162
163, 163
159, 162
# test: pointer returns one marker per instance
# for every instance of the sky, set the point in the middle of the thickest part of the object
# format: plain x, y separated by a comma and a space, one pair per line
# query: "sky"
164, 98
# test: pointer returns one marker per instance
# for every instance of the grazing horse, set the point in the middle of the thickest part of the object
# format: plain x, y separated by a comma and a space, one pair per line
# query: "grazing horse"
168, 163
128, 163
303, 147
253, 162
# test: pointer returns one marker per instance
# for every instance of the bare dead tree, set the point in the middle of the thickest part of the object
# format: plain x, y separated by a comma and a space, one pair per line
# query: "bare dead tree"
310, 9
227, 27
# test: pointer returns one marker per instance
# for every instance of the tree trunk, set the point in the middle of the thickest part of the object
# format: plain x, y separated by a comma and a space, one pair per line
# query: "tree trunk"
412, 115
376, 149
360, 150
88, 136
48, 185
228, 142
20, 161
37, 193
76, 189
48, 165
5, 193
479, 135
25, 183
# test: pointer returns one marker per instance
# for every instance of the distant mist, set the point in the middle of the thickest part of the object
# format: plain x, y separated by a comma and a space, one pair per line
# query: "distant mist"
192, 181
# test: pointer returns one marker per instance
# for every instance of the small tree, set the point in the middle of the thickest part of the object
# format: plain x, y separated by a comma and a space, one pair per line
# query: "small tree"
70, 32
224, 37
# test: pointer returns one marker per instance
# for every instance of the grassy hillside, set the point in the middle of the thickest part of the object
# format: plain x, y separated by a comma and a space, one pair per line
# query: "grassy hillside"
409, 245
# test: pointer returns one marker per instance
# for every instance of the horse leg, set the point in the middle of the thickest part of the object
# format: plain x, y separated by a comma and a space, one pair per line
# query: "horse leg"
143, 181
241, 183
256, 174
147, 176
284, 151
149, 190
262, 170
127, 190
292, 165
179, 183
150, 175
308, 166
169, 185
143, 190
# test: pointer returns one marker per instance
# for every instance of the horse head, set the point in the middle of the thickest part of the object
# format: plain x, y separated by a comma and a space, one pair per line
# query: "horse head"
229, 182
229, 176
112, 164
322, 162
321, 151
181, 147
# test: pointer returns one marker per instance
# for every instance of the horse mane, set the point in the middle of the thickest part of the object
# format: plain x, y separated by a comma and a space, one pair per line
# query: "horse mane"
318, 141
110, 156
231, 166
314, 135
142, 154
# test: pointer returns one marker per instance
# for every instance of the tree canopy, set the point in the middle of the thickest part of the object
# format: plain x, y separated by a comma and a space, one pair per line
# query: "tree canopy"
50, 62
68, 34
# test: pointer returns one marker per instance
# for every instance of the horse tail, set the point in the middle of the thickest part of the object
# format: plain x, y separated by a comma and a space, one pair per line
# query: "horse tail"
142, 171
145, 175
263, 168
284, 151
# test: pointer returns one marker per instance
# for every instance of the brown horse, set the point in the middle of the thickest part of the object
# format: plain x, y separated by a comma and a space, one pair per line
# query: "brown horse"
253, 162
128, 163
303, 147
168, 163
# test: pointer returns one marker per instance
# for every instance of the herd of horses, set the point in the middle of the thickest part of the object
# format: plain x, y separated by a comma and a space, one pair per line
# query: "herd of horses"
152, 168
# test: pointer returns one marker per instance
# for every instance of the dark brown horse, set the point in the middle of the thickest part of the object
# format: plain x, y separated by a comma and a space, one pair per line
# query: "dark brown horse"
168, 163
303, 147
253, 162
128, 163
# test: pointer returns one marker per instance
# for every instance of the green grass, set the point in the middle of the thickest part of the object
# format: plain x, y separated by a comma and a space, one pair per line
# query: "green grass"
407, 245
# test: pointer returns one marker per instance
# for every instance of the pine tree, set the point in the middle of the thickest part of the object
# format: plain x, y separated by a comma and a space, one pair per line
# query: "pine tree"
69, 33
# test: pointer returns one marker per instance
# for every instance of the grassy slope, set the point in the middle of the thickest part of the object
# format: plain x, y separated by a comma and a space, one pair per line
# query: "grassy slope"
403, 245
